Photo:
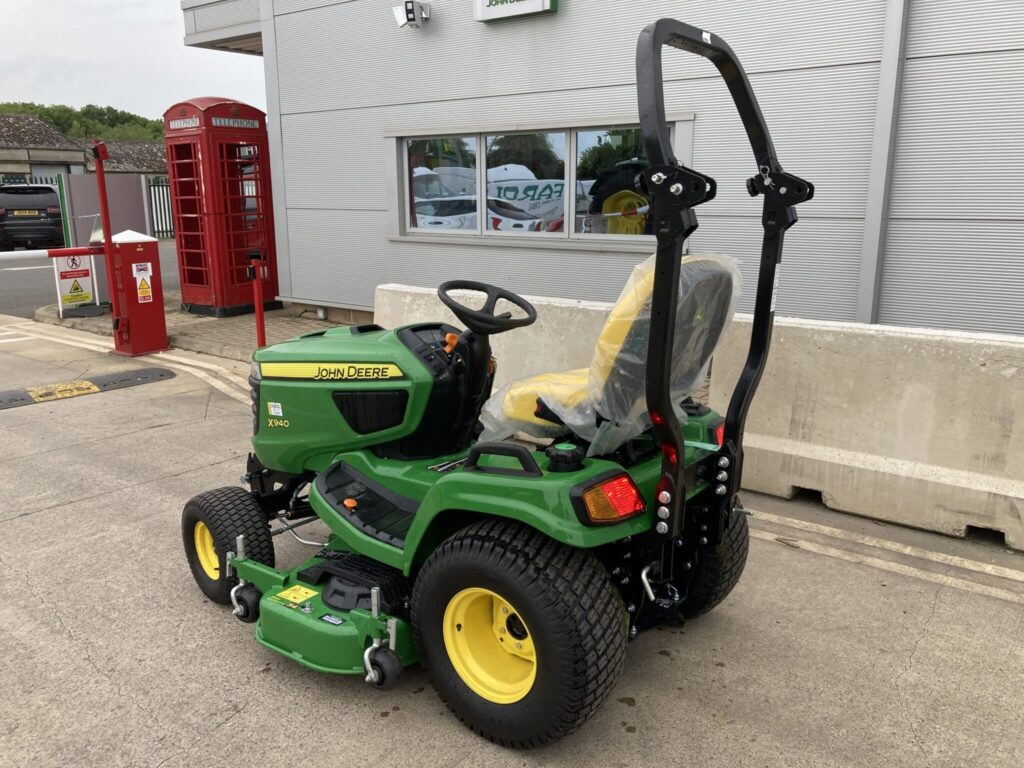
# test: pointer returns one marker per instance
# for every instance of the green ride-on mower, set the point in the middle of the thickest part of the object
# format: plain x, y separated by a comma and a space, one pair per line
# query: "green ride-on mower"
513, 571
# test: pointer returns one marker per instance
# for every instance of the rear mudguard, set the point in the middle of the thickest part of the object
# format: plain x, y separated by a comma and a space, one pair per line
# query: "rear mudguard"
462, 496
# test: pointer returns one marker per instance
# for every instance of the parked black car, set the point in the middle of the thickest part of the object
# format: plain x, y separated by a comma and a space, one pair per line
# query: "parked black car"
30, 217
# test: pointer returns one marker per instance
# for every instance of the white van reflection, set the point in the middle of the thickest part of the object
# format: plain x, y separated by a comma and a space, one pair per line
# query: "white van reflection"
460, 213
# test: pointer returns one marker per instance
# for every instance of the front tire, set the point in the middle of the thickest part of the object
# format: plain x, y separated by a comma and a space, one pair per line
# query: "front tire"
719, 569
210, 523
523, 637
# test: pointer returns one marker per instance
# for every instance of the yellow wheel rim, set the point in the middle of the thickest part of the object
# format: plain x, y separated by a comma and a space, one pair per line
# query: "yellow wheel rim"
625, 202
489, 645
205, 551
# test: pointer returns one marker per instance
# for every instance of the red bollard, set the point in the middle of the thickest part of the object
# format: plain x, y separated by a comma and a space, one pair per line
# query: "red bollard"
257, 300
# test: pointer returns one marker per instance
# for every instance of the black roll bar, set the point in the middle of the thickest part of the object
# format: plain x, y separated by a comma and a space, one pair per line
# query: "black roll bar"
674, 190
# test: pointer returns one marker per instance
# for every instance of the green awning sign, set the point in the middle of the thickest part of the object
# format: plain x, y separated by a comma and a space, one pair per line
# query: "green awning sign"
495, 10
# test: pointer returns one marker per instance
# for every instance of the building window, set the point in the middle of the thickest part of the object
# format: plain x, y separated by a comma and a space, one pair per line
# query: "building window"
574, 183
526, 182
607, 161
442, 174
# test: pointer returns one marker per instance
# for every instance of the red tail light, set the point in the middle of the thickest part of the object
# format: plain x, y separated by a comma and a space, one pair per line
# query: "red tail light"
3, 211
613, 500
53, 210
717, 432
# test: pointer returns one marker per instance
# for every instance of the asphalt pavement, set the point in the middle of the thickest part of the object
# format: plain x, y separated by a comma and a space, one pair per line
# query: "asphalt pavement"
847, 642
29, 283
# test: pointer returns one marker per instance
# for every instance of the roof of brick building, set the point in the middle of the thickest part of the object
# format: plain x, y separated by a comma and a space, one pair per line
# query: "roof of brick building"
29, 132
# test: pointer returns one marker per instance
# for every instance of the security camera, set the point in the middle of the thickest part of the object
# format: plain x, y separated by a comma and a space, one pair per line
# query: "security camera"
411, 13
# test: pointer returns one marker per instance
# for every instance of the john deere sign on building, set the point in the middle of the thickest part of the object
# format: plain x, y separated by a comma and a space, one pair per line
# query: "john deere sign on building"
492, 10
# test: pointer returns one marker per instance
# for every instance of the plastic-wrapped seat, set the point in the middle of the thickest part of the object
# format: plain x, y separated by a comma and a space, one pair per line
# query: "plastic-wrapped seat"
605, 404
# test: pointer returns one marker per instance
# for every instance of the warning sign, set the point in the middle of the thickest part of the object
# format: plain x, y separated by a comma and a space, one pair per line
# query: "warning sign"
74, 280
143, 281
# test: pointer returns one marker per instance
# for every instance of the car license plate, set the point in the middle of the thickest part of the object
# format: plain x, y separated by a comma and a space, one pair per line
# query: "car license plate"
26, 213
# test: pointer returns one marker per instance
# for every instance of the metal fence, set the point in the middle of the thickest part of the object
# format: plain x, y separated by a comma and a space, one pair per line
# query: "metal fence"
160, 206
22, 178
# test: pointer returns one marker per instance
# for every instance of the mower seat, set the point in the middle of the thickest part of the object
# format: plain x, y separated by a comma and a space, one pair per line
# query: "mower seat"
610, 396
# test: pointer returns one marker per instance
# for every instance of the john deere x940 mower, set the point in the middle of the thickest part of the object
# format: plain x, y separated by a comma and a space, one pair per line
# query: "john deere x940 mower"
514, 571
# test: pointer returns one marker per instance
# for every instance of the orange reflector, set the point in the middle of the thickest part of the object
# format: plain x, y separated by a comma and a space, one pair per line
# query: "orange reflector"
350, 503
613, 500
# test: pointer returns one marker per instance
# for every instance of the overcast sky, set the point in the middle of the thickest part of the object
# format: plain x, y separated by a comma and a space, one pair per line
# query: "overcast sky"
123, 53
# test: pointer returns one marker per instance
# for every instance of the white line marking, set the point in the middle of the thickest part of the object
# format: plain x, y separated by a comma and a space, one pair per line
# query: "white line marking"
892, 546
103, 346
899, 568
100, 347
213, 382
16, 338
19, 269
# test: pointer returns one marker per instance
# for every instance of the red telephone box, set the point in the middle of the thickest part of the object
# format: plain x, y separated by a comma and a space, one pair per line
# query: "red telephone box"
218, 164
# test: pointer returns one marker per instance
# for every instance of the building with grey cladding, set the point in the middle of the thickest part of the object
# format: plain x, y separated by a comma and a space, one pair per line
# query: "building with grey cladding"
906, 114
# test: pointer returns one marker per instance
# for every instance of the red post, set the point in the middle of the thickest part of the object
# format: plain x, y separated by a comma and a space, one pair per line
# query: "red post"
99, 153
257, 301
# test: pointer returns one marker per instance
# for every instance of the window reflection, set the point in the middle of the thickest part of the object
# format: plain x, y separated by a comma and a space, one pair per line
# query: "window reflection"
526, 182
442, 182
607, 162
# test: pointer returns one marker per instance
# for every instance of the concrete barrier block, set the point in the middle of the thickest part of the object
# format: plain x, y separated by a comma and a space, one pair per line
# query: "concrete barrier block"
919, 427
562, 338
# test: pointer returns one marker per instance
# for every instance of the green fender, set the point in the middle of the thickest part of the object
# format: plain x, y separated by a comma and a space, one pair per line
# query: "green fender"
543, 503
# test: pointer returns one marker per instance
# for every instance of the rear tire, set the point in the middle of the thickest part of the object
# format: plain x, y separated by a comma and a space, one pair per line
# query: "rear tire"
210, 523
719, 569
560, 610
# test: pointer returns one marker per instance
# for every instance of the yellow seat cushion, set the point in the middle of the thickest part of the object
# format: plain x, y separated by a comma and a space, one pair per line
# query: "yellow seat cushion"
566, 389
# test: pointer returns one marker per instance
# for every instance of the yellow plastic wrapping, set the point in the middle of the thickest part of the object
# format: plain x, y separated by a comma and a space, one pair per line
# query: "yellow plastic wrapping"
606, 404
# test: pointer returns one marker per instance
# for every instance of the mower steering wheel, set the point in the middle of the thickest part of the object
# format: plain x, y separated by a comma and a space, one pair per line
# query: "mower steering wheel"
483, 320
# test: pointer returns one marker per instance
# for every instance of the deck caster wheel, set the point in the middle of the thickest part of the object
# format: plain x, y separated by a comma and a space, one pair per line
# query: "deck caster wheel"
210, 524
246, 600
385, 669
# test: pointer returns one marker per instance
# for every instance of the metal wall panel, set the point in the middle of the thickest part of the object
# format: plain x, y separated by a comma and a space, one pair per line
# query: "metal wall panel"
953, 252
826, 136
943, 27
345, 255
228, 13
967, 275
960, 146
352, 54
338, 100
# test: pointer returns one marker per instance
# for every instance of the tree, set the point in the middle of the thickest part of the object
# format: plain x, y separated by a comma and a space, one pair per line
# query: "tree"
91, 121
533, 150
615, 146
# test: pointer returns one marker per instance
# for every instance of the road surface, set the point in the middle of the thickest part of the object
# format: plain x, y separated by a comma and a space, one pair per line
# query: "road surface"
847, 643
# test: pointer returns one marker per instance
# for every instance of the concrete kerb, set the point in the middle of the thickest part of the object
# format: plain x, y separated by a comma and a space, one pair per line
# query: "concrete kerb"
233, 338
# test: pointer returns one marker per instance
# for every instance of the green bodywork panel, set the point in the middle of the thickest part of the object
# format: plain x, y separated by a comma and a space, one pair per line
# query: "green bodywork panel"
310, 429
296, 627
454, 498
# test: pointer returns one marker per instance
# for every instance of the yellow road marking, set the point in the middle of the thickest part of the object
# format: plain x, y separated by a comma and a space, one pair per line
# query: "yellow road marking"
62, 390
